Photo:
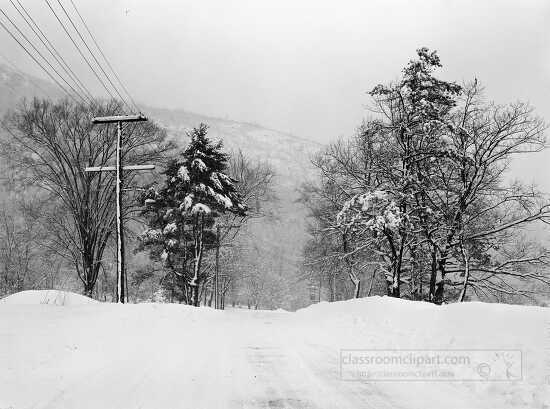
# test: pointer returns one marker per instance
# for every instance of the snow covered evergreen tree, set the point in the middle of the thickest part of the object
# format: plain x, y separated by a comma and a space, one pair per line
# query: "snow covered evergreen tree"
182, 214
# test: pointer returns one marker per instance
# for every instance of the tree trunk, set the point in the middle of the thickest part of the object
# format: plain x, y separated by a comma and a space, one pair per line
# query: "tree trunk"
88, 290
352, 276
466, 273
393, 285
371, 283
433, 276
197, 260
438, 295
195, 302
89, 277
357, 291
439, 292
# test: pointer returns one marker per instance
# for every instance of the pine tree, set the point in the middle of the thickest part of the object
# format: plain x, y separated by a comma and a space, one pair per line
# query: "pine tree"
182, 214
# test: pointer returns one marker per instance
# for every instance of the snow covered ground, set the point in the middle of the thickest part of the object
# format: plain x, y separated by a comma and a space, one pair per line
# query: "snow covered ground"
95, 355
52, 297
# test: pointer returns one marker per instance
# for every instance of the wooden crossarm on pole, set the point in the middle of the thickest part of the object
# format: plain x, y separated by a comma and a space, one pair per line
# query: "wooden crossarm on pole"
118, 118
113, 168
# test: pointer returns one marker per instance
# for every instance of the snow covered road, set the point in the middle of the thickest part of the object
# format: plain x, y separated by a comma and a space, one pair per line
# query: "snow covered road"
173, 356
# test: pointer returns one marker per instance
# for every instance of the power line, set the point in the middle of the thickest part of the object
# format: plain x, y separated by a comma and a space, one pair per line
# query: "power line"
79, 50
92, 54
104, 57
52, 49
58, 58
68, 72
40, 54
38, 62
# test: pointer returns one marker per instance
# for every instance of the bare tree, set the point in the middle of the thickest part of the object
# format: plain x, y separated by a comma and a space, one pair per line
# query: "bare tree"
255, 186
50, 145
478, 215
422, 189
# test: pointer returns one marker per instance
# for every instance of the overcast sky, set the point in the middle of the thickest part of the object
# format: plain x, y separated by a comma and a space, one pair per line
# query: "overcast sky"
305, 66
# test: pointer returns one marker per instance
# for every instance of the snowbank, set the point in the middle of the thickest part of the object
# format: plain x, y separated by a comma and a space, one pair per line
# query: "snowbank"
240, 358
52, 297
385, 323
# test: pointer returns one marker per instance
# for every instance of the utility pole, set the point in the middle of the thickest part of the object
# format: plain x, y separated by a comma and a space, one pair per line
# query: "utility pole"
225, 281
216, 306
217, 300
119, 168
320, 284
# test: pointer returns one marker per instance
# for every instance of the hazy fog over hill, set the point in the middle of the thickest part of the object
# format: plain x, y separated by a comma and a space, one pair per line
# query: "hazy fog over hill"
289, 154
15, 85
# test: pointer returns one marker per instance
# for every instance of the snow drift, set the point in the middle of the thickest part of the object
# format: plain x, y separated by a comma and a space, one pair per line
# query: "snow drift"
52, 297
385, 323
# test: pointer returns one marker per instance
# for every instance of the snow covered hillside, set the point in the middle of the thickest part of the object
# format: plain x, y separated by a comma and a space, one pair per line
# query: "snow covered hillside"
174, 356
15, 85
